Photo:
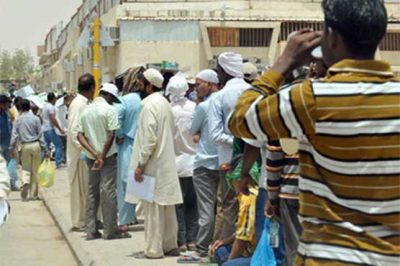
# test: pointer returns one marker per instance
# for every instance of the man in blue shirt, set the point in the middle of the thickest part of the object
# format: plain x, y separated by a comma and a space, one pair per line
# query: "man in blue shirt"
229, 69
5, 138
128, 113
206, 174
5, 127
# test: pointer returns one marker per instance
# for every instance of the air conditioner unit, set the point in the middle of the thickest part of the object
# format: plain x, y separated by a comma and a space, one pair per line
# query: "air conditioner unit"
71, 66
79, 59
65, 64
114, 33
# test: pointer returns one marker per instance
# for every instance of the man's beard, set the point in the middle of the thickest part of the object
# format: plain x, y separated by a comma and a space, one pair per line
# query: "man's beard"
143, 94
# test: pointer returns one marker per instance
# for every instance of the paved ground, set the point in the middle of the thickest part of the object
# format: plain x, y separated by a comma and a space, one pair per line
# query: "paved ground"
31, 237
96, 252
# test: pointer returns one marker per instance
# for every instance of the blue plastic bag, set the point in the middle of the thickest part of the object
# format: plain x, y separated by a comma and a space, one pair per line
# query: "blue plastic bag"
12, 171
264, 254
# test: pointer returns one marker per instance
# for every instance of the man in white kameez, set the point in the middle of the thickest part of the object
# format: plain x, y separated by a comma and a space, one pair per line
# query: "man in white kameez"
154, 155
78, 170
185, 151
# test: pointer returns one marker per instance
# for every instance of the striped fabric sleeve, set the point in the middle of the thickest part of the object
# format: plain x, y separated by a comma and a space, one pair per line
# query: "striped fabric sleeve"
275, 163
290, 113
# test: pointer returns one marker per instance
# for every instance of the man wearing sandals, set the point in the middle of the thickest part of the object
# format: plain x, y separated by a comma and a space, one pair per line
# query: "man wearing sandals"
154, 156
96, 128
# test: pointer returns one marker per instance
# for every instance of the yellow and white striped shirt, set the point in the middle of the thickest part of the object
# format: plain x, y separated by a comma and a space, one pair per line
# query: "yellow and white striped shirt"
348, 126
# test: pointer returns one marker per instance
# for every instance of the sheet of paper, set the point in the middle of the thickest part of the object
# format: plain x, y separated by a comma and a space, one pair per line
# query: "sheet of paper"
3, 211
143, 191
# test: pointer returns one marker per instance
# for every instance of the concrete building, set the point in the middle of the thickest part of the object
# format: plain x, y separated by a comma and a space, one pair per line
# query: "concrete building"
191, 33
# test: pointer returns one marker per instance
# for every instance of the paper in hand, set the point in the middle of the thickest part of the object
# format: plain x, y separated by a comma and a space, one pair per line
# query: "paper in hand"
143, 190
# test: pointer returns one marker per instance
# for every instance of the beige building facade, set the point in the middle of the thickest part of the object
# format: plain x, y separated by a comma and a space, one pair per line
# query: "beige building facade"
188, 32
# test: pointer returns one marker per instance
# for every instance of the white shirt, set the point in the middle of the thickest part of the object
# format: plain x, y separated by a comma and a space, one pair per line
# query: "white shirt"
47, 110
61, 115
185, 148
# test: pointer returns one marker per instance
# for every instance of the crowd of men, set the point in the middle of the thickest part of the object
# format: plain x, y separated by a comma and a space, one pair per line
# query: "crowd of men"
315, 151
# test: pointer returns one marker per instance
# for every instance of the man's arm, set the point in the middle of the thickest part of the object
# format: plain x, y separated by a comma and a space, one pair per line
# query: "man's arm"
216, 124
238, 247
4, 178
54, 121
121, 110
107, 144
250, 155
275, 163
14, 138
288, 113
147, 136
86, 145
198, 117
39, 131
73, 121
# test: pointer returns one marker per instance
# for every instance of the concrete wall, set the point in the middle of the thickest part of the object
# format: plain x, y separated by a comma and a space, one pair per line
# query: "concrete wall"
133, 53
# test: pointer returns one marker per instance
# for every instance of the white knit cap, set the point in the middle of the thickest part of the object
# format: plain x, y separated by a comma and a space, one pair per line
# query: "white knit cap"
232, 64
154, 77
250, 71
177, 88
208, 75
111, 89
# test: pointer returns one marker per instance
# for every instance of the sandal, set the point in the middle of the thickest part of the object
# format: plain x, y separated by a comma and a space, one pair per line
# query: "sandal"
192, 247
142, 255
189, 259
119, 235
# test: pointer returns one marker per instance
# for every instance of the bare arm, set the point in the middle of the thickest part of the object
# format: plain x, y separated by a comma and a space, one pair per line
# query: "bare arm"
55, 123
85, 144
107, 144
238, 248
250, 155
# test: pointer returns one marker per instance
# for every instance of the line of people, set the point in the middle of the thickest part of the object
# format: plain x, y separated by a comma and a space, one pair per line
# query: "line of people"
227, 161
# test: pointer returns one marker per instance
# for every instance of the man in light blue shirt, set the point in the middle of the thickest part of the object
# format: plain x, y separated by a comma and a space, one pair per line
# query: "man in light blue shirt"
206, 174
229, 69
128, 113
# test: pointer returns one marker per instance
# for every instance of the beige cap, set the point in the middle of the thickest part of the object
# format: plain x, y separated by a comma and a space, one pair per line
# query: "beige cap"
250, 71
154, 77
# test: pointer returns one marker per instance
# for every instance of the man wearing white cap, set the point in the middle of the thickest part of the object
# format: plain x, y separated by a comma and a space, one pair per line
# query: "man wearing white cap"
154, 155
97, 126
250, 72
185, 150
205, 174
229, 69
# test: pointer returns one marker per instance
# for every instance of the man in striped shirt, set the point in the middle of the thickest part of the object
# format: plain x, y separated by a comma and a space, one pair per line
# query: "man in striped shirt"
348, 127
283, 194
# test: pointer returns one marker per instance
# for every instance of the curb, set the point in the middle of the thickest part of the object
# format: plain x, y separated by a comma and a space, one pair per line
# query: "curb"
81, 254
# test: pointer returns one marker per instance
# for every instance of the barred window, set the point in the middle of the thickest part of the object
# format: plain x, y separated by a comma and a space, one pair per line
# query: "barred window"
255, 37
391, 42
239, 37
288, 27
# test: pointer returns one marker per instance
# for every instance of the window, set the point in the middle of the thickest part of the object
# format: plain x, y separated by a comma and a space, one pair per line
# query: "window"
391, 42
220, 37
239, 37
255, 37
288, 27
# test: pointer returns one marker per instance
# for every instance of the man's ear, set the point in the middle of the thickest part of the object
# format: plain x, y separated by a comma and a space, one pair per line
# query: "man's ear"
335, 40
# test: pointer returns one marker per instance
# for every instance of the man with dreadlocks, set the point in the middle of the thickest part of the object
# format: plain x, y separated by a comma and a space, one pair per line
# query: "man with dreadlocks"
128, 111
